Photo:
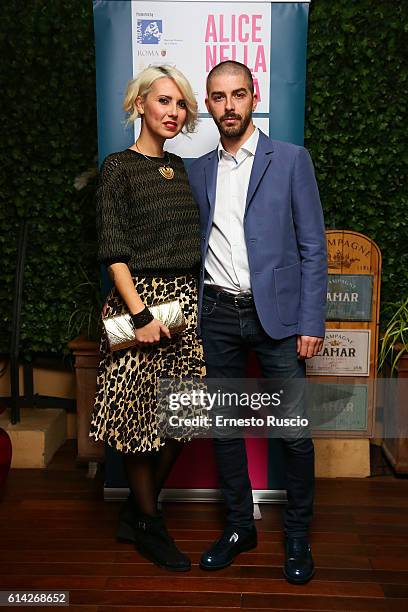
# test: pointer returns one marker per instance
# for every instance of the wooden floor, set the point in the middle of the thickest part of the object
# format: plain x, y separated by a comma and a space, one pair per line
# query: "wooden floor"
56, 532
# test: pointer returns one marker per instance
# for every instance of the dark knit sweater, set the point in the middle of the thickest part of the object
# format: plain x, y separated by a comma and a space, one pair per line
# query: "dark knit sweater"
144, 220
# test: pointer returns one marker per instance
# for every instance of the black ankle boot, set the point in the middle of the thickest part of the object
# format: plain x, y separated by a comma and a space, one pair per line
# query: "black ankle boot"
128, 515
154, 543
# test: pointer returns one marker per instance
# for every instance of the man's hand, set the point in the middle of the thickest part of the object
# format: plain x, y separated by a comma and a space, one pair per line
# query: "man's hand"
308, 346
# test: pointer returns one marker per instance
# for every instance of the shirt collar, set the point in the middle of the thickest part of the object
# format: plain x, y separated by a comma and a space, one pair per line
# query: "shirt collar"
249, 146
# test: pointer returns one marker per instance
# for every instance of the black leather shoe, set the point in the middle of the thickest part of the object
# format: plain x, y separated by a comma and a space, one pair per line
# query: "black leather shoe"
299, 565
223, 551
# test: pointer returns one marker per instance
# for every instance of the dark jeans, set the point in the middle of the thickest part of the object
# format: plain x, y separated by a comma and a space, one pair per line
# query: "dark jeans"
229, 332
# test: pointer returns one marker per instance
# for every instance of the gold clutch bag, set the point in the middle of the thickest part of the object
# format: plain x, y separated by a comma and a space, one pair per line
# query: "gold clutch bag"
120, 331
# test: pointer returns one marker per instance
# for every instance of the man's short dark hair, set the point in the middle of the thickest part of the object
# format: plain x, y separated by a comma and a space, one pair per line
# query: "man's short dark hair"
231, 67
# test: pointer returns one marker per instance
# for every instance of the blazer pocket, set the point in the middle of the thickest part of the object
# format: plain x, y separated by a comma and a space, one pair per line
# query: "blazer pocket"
287, 291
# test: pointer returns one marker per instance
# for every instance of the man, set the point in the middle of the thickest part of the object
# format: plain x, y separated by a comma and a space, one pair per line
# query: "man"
263, 288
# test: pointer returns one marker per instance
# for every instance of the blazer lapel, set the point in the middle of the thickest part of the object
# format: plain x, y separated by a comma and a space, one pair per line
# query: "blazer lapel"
210, 171
261, 162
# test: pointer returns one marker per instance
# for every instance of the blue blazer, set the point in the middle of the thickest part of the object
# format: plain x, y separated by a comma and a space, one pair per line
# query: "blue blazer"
284, 234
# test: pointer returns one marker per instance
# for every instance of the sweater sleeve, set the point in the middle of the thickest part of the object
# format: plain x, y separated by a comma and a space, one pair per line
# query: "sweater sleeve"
112, 214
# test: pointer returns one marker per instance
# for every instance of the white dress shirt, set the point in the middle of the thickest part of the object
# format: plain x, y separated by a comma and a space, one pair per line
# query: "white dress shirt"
226, 264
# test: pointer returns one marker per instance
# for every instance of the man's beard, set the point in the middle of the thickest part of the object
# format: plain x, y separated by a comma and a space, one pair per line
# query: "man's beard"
234, 131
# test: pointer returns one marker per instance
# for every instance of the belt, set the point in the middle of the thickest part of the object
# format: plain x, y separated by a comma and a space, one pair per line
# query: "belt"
239, 300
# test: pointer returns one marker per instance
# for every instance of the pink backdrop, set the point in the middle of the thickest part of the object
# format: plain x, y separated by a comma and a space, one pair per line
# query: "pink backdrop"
195, 469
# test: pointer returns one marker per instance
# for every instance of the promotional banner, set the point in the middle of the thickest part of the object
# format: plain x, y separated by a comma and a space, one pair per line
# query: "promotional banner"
217, 31
271, 39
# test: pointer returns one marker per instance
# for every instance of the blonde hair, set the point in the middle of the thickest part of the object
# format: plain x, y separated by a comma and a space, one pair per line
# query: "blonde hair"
142, 85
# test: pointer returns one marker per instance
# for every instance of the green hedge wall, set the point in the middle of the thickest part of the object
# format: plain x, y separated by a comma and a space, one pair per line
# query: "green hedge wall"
355, 111
356, 124
48, 128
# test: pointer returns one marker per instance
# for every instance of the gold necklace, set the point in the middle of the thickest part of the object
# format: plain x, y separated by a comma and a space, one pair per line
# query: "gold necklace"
165, 170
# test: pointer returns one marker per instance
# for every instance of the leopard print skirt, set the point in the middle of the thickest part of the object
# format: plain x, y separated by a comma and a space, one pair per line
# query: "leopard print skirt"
124, 413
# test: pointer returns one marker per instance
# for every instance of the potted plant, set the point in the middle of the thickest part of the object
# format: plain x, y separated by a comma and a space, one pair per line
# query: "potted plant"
393, 362
394, 342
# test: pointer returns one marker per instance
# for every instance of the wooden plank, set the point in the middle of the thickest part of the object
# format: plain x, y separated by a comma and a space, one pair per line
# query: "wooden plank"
87, 608
321, 603
132, 557
180, 600
333, 568
373, 529
397, 605
63, 583
188, 546
231, 585
383, 540
144, 608
390, 563
395, 590
55, 556
387, 518
390, 576
398, 552
181, 535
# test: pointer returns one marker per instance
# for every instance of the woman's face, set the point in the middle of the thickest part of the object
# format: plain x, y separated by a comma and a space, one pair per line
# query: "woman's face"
164, 109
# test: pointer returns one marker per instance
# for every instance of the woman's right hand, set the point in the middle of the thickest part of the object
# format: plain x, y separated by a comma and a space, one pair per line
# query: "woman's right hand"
151, 333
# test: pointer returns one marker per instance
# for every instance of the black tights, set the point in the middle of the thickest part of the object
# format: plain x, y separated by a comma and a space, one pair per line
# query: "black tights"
147, 472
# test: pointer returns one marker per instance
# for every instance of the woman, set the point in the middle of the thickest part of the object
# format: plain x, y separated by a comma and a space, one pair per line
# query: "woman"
148, 228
